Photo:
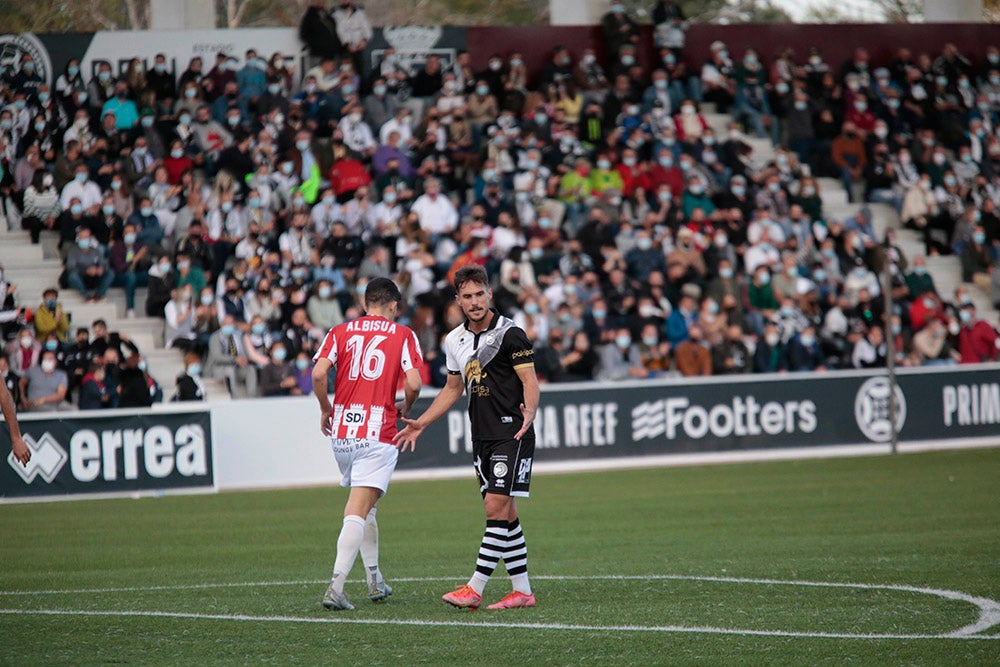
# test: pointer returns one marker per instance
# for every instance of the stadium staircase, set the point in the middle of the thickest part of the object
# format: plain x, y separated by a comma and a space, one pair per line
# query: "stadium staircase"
33, 268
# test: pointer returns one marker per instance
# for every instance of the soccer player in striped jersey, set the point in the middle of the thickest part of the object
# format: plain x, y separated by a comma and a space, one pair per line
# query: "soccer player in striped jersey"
491, 358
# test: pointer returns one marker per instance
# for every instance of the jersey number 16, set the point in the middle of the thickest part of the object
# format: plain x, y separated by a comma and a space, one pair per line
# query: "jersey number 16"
367, 361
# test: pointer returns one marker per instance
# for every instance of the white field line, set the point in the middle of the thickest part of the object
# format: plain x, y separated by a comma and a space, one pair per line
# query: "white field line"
989, 610
340, 620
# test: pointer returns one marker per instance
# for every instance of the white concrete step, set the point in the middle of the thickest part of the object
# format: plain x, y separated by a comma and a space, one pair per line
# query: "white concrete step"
17, 253
719, 122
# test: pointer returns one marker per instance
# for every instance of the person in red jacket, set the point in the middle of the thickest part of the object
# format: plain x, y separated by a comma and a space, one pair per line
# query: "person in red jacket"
664, 170
977, 340
631, 171
346, 176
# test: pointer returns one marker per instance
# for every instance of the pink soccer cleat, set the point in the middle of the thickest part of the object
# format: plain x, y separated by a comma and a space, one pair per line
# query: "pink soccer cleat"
463, 597
514, 600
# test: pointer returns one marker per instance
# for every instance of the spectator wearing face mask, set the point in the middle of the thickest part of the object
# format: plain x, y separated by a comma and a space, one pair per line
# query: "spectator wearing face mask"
277, 377
124, 109
620, 359
94, 393
977, 340
44, 386
51, 317
189, 384
619, 28
87, 269
227, 359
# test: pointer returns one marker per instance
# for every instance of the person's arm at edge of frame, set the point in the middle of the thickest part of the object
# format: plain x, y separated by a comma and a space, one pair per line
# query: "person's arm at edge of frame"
446, 398
319, 374
19, 447
529, 381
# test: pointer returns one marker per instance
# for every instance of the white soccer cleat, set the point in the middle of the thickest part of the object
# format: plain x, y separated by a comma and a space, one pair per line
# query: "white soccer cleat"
335, 601
379, 591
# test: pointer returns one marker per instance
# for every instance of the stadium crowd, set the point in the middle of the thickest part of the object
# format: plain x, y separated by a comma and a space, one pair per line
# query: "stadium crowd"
627, 238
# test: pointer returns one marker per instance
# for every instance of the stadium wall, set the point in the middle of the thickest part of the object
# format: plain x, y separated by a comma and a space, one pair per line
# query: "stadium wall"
263, 443
837, 42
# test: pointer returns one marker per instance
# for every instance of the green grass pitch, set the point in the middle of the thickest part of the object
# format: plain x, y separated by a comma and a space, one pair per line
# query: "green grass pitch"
652, 566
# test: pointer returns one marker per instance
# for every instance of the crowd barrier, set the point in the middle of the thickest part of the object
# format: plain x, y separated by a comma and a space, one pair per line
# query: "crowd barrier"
263, 443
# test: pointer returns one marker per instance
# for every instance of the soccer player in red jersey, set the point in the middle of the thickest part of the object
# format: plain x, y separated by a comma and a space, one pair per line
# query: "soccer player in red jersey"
371, 354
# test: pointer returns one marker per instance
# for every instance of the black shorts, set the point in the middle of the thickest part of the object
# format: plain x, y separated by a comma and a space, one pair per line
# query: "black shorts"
504, 466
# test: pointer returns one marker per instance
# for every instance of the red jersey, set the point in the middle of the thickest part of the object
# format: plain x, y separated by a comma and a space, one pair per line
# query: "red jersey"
371, 355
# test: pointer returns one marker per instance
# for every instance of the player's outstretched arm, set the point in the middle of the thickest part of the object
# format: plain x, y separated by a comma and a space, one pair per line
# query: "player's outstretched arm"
447, 397
531, 396
20, 448
319, 374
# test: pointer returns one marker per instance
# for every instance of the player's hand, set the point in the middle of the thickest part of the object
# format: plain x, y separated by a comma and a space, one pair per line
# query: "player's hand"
402, 410
529, 417
326, 423
21, 451
407, 438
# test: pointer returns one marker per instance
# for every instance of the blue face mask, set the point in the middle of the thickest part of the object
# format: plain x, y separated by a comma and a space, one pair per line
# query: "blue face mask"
227, 329
302, 364
77, 209
194, 370
280, 354
258, 329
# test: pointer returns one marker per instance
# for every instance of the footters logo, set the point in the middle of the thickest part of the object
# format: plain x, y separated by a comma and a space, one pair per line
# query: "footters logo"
871, 409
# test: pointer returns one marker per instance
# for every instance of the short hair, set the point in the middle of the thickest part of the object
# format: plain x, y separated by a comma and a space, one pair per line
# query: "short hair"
472, 273
382, 292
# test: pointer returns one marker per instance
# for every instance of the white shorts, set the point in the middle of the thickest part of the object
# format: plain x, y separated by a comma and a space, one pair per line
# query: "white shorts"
365, 462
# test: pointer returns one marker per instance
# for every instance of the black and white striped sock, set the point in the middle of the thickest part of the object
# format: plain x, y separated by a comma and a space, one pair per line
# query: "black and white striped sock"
516, 558
491, 551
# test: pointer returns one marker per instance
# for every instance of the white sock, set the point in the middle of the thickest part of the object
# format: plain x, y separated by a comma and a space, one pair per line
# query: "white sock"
369, 549
348, 544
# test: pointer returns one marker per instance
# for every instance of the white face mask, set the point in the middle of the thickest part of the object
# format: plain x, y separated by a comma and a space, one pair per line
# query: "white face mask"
49, 365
